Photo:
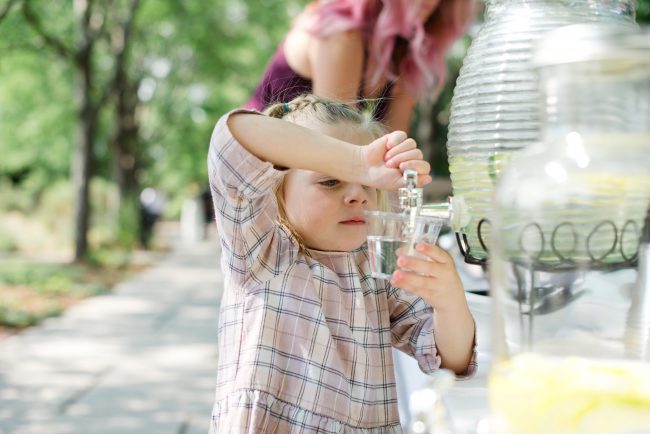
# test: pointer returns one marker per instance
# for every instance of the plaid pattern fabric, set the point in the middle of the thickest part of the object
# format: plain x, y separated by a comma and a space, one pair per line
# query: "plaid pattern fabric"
304, 337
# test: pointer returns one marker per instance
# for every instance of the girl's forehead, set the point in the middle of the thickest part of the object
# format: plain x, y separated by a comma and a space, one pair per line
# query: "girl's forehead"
302, 174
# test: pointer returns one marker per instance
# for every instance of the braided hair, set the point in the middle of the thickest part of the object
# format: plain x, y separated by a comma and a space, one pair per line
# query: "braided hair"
310, 107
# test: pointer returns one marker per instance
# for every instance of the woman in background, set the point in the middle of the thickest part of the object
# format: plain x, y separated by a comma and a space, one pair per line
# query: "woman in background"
391, 51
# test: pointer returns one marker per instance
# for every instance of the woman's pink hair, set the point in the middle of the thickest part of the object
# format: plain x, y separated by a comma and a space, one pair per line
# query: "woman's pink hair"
423, 68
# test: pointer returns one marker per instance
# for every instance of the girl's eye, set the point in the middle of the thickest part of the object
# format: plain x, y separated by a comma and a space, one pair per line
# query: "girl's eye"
329, 183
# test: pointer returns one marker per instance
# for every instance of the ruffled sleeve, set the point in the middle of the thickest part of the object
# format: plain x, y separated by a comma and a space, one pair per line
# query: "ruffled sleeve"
412, 329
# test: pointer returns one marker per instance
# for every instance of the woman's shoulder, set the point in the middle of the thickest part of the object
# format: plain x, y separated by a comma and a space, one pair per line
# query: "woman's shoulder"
350, 39
301, 43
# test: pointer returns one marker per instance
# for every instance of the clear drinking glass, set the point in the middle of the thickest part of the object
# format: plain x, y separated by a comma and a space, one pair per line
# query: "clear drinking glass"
564, 257
388, 231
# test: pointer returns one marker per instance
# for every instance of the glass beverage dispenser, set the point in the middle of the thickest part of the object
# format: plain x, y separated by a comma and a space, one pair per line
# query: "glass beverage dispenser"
494, 109
570, 287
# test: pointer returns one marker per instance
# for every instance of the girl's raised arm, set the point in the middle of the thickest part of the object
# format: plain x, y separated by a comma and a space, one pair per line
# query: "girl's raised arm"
289, 145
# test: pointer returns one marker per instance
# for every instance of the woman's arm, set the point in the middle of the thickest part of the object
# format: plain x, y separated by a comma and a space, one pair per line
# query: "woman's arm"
380, 164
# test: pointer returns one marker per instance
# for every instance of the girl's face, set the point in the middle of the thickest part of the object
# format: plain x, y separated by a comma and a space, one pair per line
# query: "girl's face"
325, 212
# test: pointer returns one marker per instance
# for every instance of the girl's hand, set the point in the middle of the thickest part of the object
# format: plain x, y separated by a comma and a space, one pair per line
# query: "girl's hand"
432, 276
386, 159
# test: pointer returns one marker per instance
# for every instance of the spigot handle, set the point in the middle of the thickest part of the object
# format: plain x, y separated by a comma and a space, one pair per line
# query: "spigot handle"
410, 196
410, 178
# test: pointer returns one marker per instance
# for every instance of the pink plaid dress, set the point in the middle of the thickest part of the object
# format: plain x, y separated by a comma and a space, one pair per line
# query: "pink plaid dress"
304, 336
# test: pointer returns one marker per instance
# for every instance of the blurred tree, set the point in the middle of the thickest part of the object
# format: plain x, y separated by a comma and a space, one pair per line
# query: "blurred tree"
34, 132
643, 11
5, 8
76, 41
166, 73
199, 63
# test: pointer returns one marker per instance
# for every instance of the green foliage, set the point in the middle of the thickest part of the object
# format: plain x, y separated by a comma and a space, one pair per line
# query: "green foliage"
643, 11
13, 314
190, 61
56, 207
8, 241
32, 292
128, 223
109, 257
14, 199
44, 278
36, 120
201, 61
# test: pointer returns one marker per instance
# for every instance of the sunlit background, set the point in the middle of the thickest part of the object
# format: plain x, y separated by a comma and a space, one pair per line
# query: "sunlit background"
105, 105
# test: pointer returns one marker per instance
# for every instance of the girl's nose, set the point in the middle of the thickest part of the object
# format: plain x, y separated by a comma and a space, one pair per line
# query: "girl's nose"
355, 193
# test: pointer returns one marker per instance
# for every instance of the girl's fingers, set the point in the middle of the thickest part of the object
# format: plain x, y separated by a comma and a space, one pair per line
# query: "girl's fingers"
395, 138
413, 154
408, 154
418, 265
412, 282
420, 166
431, 251
434, 252
403, 146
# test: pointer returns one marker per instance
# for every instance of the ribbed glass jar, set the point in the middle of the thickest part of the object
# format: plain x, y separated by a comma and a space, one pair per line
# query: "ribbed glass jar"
494, 110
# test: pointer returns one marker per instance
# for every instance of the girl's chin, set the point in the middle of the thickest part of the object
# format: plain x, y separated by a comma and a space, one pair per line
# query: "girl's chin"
346, 246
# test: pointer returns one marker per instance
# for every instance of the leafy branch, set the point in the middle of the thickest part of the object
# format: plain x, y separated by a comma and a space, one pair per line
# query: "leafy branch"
4, 10
35, 22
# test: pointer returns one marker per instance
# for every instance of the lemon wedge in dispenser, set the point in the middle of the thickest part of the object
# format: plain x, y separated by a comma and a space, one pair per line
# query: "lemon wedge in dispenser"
533, 394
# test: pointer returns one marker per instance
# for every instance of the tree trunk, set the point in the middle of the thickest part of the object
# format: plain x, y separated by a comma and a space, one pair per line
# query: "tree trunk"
125, 144
82, 172
82, 164
126, 155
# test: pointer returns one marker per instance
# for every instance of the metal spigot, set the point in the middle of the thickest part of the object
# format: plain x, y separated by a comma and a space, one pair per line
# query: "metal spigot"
410, 196
410, 201
454, 210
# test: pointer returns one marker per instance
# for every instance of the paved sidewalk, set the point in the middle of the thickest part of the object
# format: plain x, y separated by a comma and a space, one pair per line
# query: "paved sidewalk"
139, 360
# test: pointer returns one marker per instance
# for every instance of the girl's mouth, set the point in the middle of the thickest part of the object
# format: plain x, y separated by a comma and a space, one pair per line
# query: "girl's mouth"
354, 221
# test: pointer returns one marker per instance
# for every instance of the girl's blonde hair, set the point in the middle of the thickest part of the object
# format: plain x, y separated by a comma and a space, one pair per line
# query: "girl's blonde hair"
309, 108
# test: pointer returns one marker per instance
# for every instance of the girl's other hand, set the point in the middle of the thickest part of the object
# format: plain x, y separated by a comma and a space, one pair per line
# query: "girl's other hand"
432, 276
386, 159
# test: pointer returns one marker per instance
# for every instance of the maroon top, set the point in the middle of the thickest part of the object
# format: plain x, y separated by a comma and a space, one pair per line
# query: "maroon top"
280, 83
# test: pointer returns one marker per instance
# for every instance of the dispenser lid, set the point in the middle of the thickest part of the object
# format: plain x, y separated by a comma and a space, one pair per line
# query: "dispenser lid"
603, 42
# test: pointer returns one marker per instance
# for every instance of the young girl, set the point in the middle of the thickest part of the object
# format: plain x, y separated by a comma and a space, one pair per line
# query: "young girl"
305, 332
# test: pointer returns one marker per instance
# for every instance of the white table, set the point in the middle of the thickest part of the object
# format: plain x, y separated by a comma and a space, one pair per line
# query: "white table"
467, 401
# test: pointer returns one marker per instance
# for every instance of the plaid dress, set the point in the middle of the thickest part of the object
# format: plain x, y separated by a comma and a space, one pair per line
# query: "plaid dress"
304, 336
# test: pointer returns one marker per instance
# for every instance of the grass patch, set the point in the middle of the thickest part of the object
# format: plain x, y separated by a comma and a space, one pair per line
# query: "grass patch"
31, 292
